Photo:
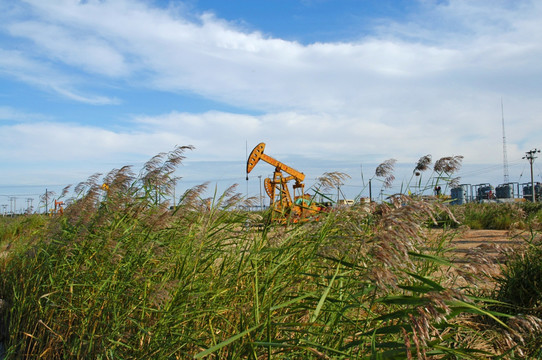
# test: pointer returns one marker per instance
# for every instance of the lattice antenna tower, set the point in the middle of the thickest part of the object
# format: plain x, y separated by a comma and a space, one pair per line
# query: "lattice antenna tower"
504, 152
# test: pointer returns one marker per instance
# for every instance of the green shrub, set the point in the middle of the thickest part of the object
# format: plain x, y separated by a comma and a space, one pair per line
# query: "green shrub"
520, 282
519, 288
533, 214
531, 208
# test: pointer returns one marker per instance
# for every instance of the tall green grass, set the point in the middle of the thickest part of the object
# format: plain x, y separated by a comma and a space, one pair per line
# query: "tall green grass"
123, 275
494, 216
14, 230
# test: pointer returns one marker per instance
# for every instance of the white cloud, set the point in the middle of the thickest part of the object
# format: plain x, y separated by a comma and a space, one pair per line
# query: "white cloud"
432, 84
82, 50
11, 114
18, 65
215, 59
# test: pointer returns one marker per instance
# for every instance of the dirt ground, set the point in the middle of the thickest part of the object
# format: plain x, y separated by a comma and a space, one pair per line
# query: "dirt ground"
485, 251
491, 242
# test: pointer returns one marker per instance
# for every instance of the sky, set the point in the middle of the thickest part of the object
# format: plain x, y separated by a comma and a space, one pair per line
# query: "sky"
342, 85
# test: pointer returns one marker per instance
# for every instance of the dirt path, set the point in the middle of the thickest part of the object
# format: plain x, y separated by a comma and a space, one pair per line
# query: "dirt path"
485, 252
489, 242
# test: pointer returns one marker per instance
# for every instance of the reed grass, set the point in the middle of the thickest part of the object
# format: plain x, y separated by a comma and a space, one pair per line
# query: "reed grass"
123, 274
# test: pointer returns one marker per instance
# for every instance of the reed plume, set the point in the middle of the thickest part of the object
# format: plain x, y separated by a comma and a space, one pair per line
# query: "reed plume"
385, 170
332, 180
448, 164
423, 163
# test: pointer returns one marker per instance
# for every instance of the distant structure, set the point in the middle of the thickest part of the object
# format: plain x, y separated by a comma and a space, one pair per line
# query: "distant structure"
504, 155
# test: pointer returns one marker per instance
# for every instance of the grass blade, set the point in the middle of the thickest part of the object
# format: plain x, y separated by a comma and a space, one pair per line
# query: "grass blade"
324, 296
225, 342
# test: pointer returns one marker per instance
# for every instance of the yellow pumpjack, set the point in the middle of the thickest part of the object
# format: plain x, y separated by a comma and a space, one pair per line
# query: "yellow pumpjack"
284, 209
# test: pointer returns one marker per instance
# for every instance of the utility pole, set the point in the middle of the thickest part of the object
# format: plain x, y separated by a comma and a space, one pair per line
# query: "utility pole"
246, 160
530, 155
261, 206
13, 205
29, 205
504, 152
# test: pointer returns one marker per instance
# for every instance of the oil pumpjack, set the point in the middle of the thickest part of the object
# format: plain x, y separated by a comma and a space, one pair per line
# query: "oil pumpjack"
284, 208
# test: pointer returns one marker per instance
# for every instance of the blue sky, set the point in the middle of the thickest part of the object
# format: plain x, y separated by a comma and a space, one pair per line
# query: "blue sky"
87, 86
